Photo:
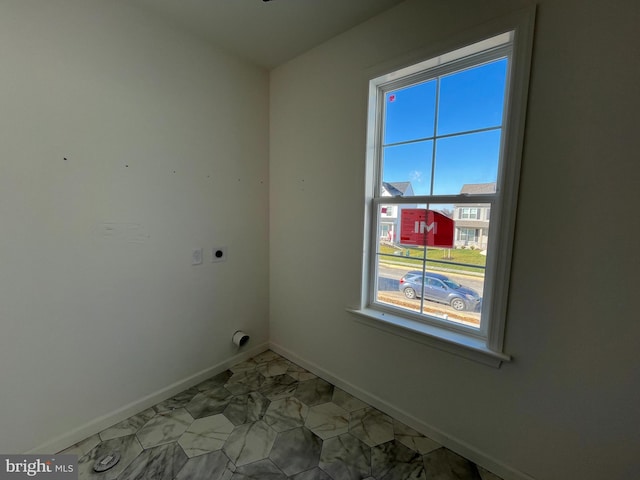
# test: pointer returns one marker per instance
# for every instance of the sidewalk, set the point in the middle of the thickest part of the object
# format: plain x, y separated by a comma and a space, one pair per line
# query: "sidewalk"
406, 266
468, 318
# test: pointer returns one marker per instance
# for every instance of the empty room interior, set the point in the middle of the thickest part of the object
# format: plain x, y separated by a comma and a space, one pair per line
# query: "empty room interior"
175, 171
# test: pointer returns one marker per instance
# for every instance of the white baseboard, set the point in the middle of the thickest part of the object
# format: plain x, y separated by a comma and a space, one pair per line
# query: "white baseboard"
448, 441
97, 425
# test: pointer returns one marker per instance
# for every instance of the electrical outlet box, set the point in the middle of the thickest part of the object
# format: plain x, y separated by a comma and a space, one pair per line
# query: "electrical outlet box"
219, 254
196, 256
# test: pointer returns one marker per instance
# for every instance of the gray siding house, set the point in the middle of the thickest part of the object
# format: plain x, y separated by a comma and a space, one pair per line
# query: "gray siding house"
472, 219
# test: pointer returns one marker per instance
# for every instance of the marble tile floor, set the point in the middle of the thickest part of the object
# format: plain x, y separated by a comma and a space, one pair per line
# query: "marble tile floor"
268, 419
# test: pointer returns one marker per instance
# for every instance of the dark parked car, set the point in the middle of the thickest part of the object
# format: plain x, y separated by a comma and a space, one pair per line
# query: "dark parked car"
439, 288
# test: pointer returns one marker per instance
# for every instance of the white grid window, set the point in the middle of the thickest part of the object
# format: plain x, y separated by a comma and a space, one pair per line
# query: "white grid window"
469, 213
468, 234
450, 121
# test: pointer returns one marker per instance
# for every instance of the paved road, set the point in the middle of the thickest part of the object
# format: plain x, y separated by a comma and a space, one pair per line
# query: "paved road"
389, 278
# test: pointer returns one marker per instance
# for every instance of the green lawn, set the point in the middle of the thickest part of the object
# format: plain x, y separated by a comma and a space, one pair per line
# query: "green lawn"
454, 259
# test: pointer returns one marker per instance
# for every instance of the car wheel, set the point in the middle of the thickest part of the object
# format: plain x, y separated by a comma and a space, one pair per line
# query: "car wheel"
457, 304
409, 293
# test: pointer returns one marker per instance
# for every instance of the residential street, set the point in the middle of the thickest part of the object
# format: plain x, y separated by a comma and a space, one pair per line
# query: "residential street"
388, 291
389, 276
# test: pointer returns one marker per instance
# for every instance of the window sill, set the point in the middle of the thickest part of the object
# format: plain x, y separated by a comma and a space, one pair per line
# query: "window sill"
466, 346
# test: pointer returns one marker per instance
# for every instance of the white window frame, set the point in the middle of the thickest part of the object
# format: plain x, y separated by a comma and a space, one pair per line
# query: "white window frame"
476, 213
476, 234
485, 345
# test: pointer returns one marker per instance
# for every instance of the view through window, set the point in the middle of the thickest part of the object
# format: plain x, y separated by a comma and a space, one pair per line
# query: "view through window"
438, 163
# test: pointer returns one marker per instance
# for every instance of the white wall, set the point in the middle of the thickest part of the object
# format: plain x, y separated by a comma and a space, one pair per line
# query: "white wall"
93, 318
567, 406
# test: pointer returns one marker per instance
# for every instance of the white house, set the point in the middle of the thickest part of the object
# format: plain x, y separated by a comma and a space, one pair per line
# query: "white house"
472, 219
390, 214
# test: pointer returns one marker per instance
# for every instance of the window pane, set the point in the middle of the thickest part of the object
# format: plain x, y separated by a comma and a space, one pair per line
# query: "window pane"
456, 274
410, 113
472, 99
466, 159
407, 163
470, 213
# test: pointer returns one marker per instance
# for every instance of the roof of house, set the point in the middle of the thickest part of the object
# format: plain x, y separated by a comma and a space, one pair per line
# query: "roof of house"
396, 189
473, 188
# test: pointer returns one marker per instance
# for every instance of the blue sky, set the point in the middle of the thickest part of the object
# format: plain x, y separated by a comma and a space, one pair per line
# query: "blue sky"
468, 100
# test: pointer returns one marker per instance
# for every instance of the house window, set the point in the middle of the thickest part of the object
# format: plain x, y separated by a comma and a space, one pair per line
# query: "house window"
468, 234
452, 120
469, 213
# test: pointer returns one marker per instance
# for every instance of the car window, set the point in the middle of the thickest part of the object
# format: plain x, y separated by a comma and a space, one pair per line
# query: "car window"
451, 284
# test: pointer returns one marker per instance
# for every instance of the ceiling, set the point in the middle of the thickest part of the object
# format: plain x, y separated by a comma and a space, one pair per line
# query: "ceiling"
267, 33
